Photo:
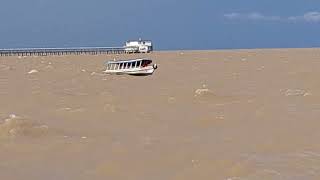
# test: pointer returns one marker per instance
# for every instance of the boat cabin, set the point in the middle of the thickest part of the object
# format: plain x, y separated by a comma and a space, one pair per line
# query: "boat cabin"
130, 64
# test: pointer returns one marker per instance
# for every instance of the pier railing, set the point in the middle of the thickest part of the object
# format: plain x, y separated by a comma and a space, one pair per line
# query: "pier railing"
62, 51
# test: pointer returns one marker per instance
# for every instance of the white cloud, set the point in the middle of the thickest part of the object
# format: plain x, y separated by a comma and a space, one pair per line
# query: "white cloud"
251, 16
259, 16
232, 15
310, 17
256, 16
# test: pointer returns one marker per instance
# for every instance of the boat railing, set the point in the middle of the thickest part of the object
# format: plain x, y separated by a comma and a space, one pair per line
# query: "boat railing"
111, 65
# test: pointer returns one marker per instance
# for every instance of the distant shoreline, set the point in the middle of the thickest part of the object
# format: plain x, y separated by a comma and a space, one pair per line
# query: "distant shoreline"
249, 49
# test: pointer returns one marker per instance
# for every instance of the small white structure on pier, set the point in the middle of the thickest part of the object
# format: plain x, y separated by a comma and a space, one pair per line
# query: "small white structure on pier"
138, 46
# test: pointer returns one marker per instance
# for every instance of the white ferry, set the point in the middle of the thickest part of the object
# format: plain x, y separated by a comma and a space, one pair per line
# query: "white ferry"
131, 67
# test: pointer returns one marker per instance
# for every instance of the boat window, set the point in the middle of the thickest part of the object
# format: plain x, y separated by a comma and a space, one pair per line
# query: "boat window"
144, 63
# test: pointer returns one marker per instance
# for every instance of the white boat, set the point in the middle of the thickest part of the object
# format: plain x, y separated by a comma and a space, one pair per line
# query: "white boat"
131, 67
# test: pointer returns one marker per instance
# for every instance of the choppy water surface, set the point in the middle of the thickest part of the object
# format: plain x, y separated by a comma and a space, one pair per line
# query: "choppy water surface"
230, 115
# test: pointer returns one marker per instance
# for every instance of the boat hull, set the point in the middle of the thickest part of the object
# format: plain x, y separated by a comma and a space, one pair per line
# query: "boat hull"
135, 71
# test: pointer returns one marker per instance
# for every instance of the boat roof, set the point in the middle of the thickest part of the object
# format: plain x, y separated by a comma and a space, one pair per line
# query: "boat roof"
140, 40
127, 61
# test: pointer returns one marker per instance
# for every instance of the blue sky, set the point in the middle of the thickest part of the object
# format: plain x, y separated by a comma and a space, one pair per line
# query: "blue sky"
171, 24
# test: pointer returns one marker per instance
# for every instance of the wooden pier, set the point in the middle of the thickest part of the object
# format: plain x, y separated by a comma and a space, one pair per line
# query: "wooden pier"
62, 51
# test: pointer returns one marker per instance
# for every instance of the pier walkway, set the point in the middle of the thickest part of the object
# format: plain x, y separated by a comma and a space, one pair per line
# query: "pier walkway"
62, 51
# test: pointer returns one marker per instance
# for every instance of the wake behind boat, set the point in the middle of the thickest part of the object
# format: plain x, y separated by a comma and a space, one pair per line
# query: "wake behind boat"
131, 67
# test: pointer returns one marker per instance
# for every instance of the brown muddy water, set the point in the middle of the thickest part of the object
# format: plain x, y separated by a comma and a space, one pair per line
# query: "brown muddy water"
230, 115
